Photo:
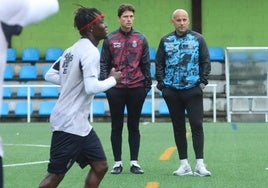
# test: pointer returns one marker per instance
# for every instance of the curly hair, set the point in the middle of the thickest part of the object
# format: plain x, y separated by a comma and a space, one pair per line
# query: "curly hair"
83, 17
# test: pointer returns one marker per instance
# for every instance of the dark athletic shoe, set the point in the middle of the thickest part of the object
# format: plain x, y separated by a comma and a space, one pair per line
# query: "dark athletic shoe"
117, 170
136, 170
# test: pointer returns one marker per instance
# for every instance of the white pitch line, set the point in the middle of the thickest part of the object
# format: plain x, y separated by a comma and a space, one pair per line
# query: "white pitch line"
266, 168
28, 145
25, 164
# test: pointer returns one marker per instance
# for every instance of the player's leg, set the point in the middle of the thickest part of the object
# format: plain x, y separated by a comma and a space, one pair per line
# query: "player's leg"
175, 103
51, 180
195, 114
135, 100
96, 173
1, 165
93, 154
64, 150
1, 173
177, 113
116, 100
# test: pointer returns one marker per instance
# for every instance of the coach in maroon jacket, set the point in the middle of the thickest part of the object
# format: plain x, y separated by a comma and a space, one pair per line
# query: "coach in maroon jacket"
126, 50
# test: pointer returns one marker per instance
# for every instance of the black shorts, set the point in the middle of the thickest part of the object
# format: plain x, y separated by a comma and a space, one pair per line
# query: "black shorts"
68, 148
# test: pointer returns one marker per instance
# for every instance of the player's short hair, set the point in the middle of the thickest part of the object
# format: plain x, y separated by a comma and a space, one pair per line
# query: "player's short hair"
124, 7
84, 17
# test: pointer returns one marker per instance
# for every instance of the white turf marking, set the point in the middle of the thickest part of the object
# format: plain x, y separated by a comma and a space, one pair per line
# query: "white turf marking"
28, 163
25, 164
28, 145
266, 168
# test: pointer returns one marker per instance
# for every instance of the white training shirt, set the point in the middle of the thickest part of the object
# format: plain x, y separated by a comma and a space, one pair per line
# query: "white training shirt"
27, 12
78, 76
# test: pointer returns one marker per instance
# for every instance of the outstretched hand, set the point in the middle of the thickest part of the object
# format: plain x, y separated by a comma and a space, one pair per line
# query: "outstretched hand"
116, 74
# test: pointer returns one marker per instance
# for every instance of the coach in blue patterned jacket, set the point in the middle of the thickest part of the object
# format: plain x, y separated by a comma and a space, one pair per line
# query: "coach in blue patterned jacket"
182, 68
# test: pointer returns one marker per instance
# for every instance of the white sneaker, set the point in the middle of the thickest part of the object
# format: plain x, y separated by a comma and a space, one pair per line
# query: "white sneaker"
183, 170
200, 170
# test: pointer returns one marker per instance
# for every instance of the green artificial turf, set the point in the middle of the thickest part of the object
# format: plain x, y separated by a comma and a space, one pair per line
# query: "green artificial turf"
235, 154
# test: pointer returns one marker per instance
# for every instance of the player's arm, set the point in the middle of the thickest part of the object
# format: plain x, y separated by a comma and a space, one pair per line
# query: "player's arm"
52, 74
93, 85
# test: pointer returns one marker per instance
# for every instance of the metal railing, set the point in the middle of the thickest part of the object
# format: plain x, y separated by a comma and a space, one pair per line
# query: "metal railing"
28, 86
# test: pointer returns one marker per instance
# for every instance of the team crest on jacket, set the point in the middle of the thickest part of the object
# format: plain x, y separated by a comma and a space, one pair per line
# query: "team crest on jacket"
134, 44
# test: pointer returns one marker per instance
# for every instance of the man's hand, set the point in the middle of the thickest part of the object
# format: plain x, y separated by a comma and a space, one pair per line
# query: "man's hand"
116, 74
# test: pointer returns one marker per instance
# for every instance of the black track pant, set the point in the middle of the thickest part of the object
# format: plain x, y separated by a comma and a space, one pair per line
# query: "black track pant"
130, 100
190, 100
1, 173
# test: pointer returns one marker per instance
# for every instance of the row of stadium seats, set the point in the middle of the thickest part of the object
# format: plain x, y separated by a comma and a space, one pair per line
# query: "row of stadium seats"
33, 54
45, 92
53, 53
26, 72
45, 108
29, 72
21, 92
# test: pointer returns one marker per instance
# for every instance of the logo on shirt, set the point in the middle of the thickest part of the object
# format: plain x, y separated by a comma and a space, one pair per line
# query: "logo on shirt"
117, 45
134, 44
67, 60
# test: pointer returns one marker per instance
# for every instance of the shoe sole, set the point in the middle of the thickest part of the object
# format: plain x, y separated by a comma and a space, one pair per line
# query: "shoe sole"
201, 175
137, 173
115, 173
185, 174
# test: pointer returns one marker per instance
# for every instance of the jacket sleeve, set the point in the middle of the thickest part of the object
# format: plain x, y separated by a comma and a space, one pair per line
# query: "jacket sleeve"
145, 66
204, 62
105, 60
160, 65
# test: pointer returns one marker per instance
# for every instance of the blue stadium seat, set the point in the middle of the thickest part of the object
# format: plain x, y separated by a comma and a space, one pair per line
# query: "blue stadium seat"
9, 72
5, 109
30, 55
125, 110
28, 72
162, 108
152, 53
49, 92
146, 108
52, 54
21, 108
45, 69
152, 70
98, 108
216, 54
11, 55
46, 107
149, 94
7, 92
22, 92
100, 95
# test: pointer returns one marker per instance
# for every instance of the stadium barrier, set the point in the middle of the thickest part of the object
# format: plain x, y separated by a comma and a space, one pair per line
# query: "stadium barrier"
152, 98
